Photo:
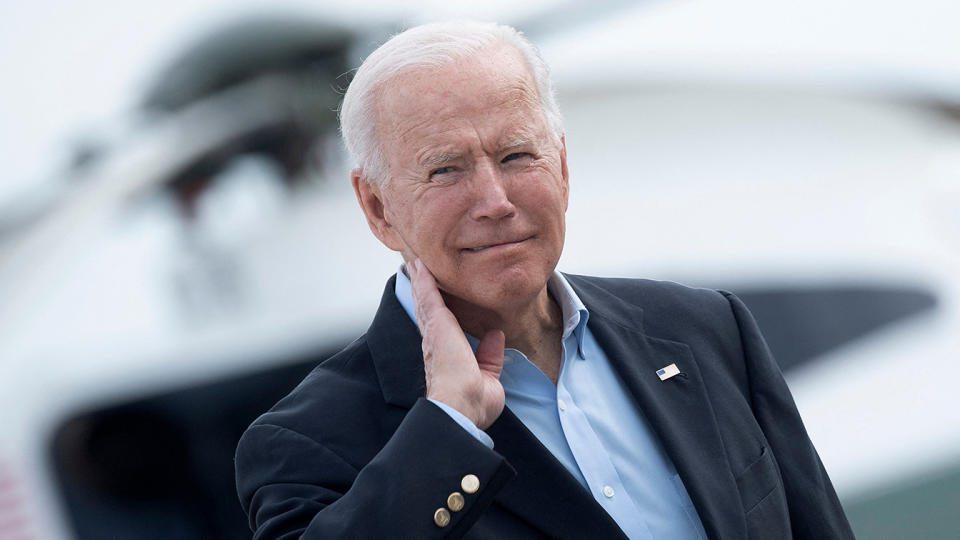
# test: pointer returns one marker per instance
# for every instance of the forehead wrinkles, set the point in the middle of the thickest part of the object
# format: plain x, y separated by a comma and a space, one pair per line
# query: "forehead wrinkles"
425, 102
441, 135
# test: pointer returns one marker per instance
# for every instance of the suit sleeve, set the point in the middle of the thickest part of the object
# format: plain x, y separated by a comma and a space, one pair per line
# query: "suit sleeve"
815, 510
292, 486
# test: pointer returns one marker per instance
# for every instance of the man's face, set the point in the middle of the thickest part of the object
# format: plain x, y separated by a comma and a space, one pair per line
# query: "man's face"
477, 183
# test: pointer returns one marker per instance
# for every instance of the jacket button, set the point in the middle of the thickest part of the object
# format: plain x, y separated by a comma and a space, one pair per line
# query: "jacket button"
470, 483
455, 501
441, 517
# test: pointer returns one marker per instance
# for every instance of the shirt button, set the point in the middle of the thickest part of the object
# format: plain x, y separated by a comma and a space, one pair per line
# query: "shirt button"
561, 404
608, 492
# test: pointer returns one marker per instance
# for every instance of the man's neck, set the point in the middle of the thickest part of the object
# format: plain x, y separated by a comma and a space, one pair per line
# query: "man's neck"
533, 328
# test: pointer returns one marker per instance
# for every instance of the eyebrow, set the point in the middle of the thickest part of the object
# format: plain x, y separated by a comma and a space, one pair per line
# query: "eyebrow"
516, 143
433, 160
439, 159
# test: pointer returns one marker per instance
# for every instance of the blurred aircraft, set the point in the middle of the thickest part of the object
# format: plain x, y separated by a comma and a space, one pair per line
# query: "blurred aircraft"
198, 265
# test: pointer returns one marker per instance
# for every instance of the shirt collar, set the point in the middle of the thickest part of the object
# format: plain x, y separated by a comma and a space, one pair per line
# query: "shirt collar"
575, 314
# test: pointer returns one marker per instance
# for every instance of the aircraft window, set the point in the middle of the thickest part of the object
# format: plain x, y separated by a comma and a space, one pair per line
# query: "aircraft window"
802, 323
162, 466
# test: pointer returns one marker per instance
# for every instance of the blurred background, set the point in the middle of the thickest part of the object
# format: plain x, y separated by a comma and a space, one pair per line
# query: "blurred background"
179, 243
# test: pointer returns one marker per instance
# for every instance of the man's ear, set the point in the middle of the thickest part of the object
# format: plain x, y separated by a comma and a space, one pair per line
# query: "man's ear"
564, 172
370, 197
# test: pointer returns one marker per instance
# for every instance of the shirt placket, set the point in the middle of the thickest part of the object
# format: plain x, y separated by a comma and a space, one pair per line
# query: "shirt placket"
592, 458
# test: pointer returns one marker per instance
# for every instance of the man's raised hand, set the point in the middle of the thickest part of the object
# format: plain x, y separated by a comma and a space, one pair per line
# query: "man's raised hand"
455, 376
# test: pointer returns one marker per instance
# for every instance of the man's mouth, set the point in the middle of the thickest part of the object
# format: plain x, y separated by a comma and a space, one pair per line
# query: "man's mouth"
501, 244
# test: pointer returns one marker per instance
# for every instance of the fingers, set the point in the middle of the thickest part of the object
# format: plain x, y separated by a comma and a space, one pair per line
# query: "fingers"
490, 352
426, 295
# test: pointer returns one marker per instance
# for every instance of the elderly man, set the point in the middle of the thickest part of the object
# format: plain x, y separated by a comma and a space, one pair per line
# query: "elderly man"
633, 408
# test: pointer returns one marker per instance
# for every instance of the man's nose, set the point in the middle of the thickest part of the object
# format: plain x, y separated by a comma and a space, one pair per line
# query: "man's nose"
491, 198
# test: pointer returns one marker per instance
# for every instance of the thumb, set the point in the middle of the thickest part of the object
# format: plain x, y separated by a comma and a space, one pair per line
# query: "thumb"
490, 352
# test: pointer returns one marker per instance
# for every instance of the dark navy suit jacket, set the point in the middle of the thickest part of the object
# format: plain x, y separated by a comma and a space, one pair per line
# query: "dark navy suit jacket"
356, 452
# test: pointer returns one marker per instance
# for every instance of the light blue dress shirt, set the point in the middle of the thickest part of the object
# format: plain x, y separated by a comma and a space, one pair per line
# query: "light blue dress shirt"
592, 426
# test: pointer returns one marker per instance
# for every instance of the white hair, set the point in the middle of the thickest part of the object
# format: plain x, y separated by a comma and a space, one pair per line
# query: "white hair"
428, 46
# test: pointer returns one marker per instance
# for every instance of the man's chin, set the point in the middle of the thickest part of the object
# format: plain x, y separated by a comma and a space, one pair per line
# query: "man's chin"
499, 295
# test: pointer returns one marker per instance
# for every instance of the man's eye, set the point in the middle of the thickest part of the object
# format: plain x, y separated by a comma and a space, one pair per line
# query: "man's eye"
441, 170
514, 156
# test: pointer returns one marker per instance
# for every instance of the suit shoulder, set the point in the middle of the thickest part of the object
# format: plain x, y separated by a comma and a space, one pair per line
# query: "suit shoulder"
339, 387
655, 294
670, 310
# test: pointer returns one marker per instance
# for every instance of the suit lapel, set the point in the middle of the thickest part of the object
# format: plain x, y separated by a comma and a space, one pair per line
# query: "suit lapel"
543, 493
394, 342
677, 409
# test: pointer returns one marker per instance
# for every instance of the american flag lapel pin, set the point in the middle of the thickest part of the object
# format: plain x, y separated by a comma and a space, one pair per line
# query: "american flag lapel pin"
668, 371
